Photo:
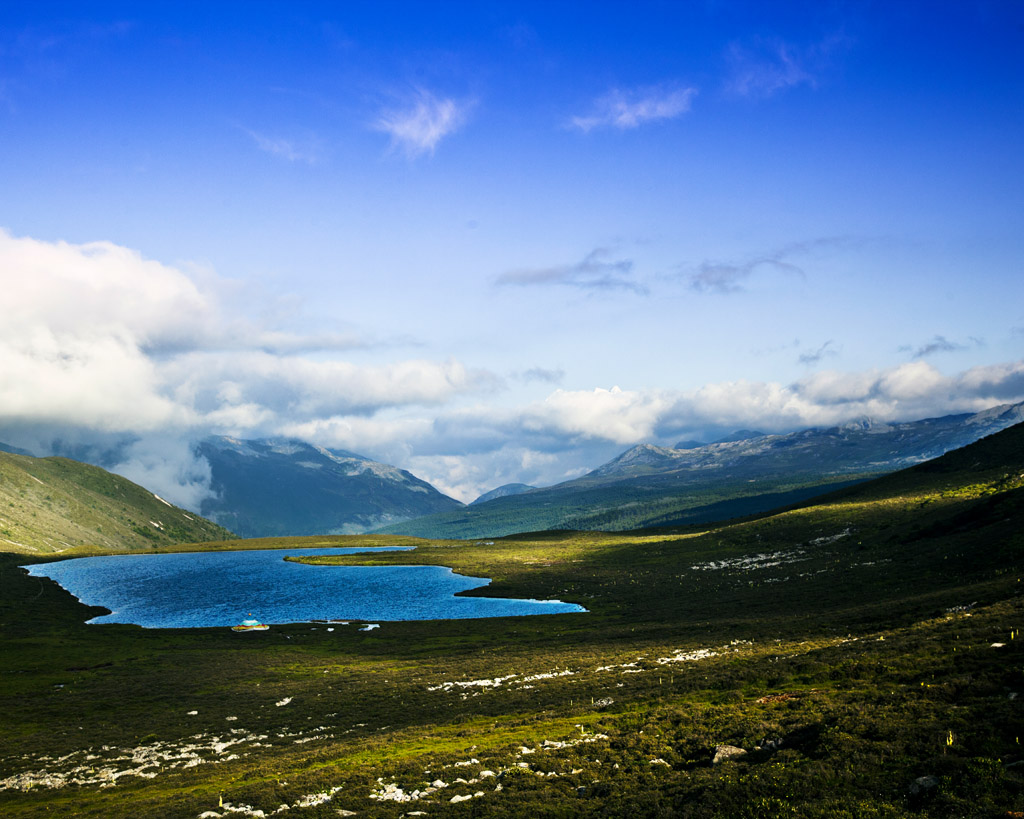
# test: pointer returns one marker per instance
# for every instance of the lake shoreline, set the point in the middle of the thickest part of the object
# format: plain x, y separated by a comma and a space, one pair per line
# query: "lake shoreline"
219, 589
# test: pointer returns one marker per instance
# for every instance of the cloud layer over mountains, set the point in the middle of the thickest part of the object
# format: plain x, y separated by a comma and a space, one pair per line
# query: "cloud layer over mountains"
109, 356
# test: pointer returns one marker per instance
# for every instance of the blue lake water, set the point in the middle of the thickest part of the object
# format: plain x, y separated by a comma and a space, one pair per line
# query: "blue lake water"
221, 588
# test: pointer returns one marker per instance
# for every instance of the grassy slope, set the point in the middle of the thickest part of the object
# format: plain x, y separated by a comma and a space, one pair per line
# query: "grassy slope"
54, 504
846, 640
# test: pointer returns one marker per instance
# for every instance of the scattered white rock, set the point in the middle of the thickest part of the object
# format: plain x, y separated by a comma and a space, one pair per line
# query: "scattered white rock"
681, 656
549, 675
724, 753
764, 560
448, 686
107, 765
820, 541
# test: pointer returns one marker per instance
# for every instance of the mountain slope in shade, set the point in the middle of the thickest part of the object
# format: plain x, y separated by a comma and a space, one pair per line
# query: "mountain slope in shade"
858, 446
285, 487
13, 450
657, 486
53, 504
503, 492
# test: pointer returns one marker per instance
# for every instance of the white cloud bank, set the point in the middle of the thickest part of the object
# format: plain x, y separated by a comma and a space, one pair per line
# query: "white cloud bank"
103, 351
468, 451
108, 356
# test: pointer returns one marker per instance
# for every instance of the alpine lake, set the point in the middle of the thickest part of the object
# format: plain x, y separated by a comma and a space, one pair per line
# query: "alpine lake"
211, 589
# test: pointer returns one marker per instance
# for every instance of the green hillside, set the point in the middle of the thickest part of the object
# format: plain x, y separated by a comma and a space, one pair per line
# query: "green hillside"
54, 504
858, 656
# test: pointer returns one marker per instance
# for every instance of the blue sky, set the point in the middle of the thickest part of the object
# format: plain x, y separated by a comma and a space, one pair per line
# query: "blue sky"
502, 242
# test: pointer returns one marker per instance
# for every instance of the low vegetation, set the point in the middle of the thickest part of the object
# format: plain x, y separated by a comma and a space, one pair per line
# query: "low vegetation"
859, 656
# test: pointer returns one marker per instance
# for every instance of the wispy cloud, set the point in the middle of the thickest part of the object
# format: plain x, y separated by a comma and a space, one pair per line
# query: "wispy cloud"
729, 277
541, 374
769, 66
726, 277
941, 344
307, 151
631, 109
417, 128
826, 350
595, 272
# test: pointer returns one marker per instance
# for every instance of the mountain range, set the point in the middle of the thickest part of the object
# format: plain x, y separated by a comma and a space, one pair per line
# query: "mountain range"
273, 487
746, 473
277, 487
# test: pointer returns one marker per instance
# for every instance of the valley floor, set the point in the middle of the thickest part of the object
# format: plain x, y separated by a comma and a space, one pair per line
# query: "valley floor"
859, 658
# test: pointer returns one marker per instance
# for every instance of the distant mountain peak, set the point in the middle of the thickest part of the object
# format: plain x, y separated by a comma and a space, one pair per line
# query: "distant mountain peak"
740, 435
285, 486
641, 457
865, 424
1012, 413
503, 491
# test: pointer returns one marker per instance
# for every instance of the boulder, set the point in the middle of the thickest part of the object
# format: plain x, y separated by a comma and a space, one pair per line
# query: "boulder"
923, 785
723, 753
